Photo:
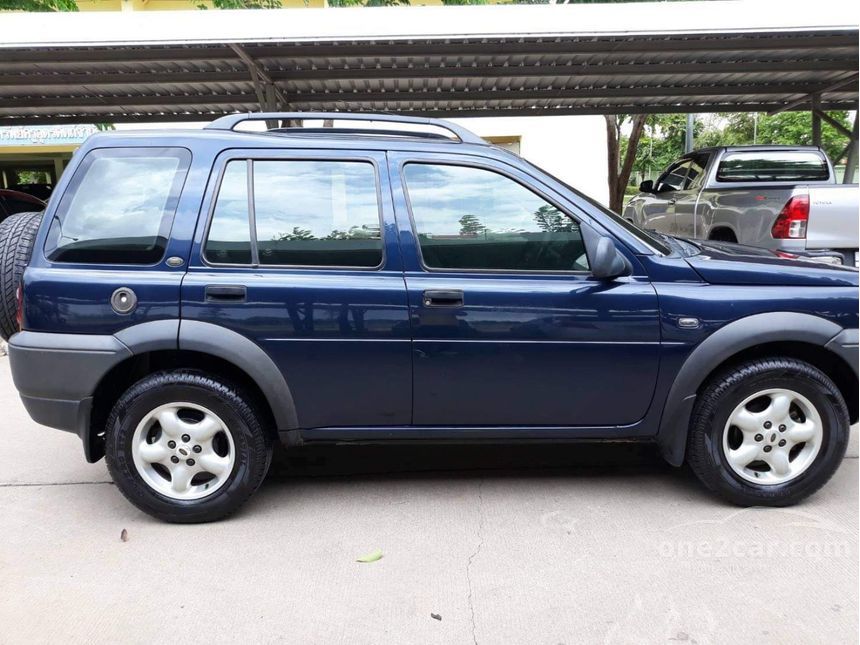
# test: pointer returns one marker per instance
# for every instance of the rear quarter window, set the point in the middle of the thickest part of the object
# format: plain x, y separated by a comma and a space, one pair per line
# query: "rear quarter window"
763, 166
119, 207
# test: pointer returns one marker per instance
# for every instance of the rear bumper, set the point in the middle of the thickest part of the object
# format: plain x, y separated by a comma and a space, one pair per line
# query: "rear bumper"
57, 374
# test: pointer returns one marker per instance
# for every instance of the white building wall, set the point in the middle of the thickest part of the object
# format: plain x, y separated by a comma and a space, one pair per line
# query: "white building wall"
573, 148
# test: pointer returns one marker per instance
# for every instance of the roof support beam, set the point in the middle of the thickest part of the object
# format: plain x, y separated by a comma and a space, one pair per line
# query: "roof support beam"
851, 161
266, 97
836, 125
851, 80
270, 97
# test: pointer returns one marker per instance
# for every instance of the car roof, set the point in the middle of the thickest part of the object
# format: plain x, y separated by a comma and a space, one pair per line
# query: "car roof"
294, 138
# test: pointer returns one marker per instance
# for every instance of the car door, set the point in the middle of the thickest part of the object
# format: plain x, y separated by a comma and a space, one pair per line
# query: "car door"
687, 218
659, 212
509, 326
308, 267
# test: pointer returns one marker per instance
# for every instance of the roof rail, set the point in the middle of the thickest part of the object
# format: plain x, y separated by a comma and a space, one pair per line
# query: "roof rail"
230, 121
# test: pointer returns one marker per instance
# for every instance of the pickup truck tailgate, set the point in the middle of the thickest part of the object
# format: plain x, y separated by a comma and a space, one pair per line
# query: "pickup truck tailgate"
833, 217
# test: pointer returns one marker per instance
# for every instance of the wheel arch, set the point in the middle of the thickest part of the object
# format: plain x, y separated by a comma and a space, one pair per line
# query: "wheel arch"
204, 346
716, 229
798, 335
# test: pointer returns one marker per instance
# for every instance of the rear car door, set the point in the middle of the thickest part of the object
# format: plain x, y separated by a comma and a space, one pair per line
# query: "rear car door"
509, 327
298, 253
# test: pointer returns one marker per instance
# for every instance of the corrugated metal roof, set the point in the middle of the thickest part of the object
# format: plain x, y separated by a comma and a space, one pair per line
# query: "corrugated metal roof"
552, 67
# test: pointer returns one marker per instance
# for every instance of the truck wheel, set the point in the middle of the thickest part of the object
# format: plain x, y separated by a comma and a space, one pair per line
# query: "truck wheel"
768, 432
17, 234
185, 447
723, 235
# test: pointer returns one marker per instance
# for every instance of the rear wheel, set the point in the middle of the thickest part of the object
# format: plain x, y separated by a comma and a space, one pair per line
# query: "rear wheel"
17, 234
768, 432
185, 447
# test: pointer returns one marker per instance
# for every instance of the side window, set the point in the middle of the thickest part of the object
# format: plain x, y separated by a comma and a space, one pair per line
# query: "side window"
229, 239
119, 206
695, 175
472, 218
305, 213
674, 178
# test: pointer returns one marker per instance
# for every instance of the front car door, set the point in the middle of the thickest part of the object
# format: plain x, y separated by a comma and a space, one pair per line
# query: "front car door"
299, 253
658, 212
509, 327
688, 219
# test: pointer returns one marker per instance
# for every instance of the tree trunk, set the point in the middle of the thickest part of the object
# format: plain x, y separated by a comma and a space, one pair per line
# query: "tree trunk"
618, 172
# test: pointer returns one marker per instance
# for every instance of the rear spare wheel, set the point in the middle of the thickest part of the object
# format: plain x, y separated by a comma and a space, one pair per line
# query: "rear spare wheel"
17, 233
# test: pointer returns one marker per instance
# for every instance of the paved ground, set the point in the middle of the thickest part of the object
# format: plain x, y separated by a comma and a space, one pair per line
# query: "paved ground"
507, 545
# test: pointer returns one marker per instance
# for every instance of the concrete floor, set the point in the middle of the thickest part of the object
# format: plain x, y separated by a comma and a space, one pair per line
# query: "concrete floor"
568, 544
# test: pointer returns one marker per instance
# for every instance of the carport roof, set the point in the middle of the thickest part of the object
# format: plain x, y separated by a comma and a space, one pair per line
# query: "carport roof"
432, 61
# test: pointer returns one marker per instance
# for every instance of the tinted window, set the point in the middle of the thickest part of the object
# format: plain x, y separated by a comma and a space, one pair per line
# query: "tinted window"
675, 178
229, 240
773, 166
307, 213
119, 207
317, 213
471, 218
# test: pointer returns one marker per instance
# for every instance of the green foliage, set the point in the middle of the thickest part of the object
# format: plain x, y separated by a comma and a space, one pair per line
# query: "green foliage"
663, 140
551, 220
366, 3
471, 225
241, 4
38, 5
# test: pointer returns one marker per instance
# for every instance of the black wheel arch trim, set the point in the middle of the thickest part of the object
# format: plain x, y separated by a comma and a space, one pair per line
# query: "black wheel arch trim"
735, 337
245, 354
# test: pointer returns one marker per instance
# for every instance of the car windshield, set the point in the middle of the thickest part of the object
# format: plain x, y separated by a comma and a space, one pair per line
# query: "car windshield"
647, 237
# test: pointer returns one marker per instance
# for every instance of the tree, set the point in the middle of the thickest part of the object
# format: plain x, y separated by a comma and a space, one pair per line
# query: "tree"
471, 225
617, 149
551, 220
788, 128
241, 4
38, 5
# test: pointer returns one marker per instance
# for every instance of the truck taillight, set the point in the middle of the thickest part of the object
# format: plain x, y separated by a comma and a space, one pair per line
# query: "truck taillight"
791, 222
19, 311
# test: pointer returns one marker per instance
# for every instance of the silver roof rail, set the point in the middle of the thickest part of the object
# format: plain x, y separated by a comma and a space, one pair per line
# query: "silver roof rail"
230, 121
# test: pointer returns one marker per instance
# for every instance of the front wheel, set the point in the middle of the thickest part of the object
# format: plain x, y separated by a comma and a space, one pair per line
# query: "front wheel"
768, 432
185, 447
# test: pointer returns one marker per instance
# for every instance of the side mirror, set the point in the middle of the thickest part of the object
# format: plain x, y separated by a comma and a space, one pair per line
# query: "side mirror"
607, 263
646, 186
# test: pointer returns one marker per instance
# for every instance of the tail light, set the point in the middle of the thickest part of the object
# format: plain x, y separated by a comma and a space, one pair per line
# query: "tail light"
791, 222
19, 312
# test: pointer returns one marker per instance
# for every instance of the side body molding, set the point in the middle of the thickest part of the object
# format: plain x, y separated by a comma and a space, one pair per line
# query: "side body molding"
244, 353
716, 348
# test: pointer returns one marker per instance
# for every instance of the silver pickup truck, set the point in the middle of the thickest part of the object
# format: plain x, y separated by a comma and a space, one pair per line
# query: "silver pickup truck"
783, 198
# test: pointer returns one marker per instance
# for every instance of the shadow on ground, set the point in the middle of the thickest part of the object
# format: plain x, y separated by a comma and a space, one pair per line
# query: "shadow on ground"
467, 460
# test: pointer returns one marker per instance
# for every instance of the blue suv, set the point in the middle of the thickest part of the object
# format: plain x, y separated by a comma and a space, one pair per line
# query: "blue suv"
190, 297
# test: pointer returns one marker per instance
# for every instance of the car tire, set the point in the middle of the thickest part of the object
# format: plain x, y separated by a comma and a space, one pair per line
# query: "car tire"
768, 432
17, 235
185, 447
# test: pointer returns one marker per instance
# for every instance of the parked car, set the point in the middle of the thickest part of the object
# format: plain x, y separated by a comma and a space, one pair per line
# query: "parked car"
13, 201
773, 197
233, 289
